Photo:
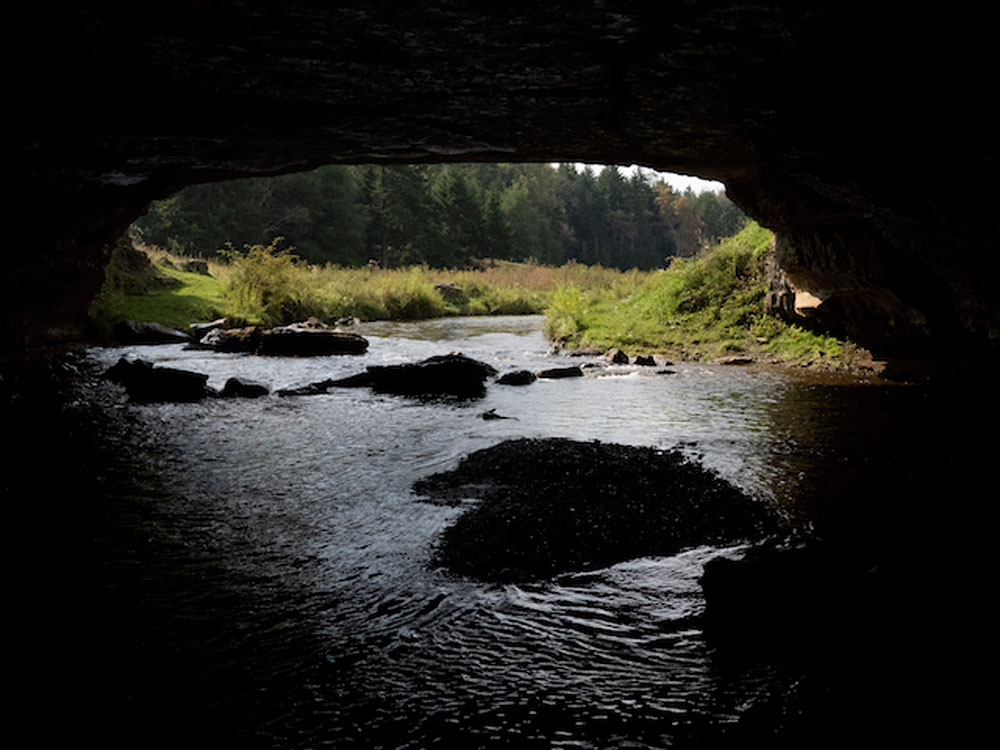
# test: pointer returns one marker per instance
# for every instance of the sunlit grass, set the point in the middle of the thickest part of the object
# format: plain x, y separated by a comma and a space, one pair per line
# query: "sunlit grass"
267, 285
705, 307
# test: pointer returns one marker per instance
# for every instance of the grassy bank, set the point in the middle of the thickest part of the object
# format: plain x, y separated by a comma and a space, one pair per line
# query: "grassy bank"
270, 286
699, 308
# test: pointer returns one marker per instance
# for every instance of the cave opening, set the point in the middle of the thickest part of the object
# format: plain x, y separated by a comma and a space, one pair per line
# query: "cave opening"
206, 575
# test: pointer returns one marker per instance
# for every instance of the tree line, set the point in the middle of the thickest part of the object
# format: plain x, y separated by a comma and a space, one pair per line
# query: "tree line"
447, 215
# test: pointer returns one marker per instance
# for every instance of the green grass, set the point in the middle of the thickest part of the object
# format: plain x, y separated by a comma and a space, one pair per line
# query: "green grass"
194, 298
269, 286
705, 307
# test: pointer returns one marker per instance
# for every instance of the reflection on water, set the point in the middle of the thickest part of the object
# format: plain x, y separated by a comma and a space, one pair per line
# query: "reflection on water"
256, 572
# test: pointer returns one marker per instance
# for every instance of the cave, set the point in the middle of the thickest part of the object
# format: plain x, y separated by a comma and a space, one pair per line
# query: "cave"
864, 137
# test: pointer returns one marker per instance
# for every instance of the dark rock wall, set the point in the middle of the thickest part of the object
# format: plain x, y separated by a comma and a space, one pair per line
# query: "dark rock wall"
865, 137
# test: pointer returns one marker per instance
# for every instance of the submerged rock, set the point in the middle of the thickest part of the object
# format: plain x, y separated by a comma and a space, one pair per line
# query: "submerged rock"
146, 383
557, 505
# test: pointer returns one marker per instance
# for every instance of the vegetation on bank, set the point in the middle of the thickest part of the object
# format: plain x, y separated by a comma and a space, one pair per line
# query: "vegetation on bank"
699, 308
706, 307
270, 285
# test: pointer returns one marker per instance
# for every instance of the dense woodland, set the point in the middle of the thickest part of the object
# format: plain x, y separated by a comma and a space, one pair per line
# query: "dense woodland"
447, 216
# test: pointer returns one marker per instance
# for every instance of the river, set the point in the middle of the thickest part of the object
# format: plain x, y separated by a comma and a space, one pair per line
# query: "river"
257, 573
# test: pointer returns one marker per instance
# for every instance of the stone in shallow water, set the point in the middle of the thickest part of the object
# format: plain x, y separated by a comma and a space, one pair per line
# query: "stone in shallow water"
517, 377
444, 375
238, 388
146, 383
557, 505
556, 373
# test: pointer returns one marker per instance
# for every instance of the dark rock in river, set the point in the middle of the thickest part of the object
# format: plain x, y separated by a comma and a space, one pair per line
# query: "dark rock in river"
617, 356
557, 505
517, 377
312, 389
295, 341
555, 373
299, 340
236, 388
146, 332
491, 414
146, 383
645, 360
246, 339
443, 375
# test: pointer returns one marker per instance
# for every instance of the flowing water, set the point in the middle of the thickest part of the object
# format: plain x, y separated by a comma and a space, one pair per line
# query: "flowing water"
257, 573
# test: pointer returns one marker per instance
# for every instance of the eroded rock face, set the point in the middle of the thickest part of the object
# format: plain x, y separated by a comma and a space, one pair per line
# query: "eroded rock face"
865, 137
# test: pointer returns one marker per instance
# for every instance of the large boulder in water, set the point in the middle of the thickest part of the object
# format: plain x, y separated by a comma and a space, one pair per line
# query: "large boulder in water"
517, 377
443, 375
245, 339
297, 340
239, 388
555, 506
558, 373
146, 383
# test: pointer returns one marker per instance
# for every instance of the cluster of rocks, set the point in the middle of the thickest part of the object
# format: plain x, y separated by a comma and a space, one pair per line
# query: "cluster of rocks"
310, 338
555, 505
613, 356
452, 375
145, 382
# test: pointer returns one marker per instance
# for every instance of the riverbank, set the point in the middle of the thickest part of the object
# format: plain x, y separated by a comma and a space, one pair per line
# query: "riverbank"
270, 286
706, 308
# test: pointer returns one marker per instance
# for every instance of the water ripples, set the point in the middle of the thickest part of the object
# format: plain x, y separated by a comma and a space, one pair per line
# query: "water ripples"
288, 564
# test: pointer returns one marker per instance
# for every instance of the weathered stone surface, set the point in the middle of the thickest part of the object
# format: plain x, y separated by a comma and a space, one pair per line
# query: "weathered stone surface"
246, 339
863, 136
